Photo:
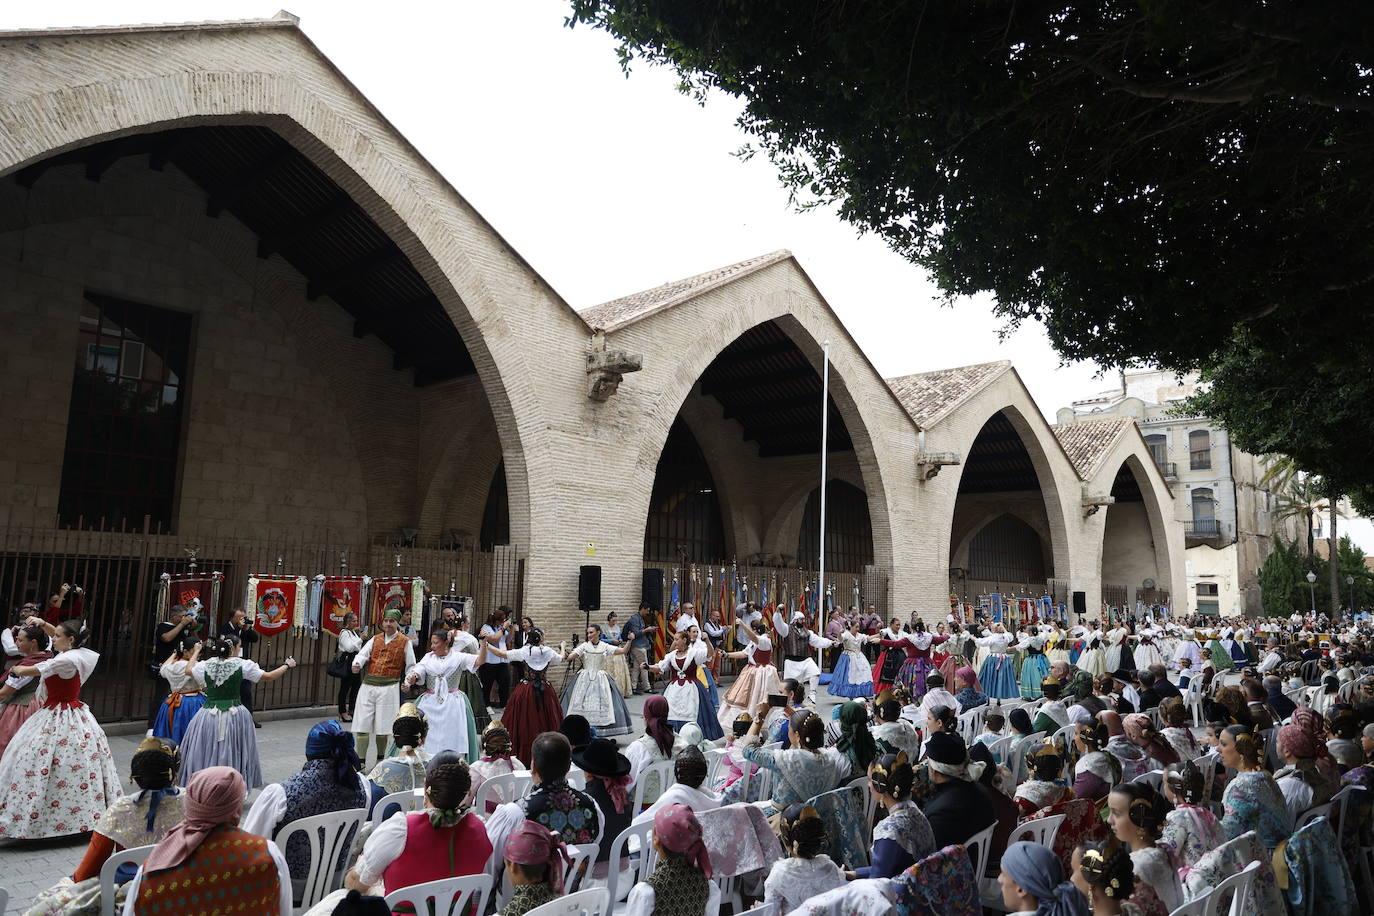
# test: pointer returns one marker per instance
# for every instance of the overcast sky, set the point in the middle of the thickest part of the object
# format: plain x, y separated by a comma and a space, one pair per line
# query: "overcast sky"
609, 185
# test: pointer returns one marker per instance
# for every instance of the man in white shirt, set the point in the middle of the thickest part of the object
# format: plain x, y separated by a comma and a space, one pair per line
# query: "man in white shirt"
1272, 660
687, 618
689, 769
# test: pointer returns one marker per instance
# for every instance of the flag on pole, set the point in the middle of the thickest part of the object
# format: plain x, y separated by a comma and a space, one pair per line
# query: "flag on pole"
674, 605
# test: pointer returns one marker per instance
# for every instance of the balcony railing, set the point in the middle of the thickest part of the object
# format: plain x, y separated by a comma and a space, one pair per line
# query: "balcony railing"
1203, 531
1168, 469
1200, 461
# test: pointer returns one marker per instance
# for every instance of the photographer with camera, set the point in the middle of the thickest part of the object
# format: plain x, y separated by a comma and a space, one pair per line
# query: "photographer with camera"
180, 620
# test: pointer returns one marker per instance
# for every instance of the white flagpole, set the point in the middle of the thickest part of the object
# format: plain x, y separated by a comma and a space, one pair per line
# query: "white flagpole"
825, 454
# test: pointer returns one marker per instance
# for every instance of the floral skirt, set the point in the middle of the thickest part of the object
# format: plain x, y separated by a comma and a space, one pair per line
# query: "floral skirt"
912, 676
12, 716
57, 777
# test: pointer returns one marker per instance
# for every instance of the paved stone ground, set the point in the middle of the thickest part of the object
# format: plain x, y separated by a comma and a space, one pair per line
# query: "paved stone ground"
27, 868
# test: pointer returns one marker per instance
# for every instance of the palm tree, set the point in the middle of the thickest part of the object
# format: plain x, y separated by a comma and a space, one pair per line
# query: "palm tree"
1302, 495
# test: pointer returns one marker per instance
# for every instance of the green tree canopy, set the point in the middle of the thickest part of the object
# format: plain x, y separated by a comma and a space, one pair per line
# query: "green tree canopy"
1162, 181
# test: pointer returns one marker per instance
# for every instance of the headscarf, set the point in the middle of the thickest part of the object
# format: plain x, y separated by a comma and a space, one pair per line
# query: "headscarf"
946, 753
213, 797
856, 741
328, 741
679, 831
1140, 729
1020, 720
1040, 873
1311, 722
691, 734
532, 844
392, 614
656, 723
969, 677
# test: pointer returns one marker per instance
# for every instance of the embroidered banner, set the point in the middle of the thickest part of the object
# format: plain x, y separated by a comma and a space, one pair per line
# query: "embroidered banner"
274, 603
461, 605
401, 593
332, 598
197, 592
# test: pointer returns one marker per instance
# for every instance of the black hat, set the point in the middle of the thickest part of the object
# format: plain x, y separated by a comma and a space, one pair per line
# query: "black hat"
946, 747
601, 757
1123, 674
356, 904
577, 730
980, 753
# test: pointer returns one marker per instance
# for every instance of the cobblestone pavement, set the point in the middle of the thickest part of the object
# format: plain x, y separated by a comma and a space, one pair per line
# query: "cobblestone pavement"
27, 868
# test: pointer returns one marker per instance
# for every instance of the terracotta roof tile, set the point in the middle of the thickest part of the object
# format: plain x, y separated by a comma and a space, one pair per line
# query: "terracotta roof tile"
628, 309
930, 396
1087, 443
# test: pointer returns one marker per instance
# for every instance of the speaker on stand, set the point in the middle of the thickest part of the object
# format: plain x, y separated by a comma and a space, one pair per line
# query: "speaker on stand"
1080, 605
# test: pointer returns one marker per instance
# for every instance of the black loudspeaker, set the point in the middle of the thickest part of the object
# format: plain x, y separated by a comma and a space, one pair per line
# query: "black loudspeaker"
1080, 603
589, 588
651, 593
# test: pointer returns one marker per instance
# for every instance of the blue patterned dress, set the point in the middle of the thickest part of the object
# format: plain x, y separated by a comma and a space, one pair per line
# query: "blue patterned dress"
1253, 801
801, 774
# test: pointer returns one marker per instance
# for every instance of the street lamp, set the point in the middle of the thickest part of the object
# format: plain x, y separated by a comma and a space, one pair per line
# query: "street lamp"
1312, 587
1350, 584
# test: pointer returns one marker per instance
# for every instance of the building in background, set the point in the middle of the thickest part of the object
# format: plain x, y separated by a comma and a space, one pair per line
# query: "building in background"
1218, 498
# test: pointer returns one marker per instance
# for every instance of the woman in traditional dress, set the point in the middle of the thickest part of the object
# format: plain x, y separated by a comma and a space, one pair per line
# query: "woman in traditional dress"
997, 677
452, 726
19, 695
688, 700
187, 694
756, 680
1147, 647
534, 707
903, 837
807, 870
534, 867
889, 660
657, 744
916, 645
944, 655
618, 669
1119, 649
1252, 801
1097, 770
403, 771
803, 771
1057, 644
1136, 815
852, 676
222, 733
682, 878
470, 682
1190, 829
1216, 650
497, 760
1046, 785
967, 690
1191, 648
593, 694
697, 639
58, 776
1093, 658
1035, 667
132, 821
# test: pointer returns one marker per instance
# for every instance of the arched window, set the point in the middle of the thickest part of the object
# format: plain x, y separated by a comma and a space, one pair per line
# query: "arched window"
848, 531
496, 514
1200, 450
684, 514
1204, 512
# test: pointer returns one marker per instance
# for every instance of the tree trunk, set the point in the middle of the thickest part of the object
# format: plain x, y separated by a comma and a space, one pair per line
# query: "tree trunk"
1310, 545
1335, 566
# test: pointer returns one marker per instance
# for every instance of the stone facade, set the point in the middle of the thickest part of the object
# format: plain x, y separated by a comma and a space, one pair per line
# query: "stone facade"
298, 424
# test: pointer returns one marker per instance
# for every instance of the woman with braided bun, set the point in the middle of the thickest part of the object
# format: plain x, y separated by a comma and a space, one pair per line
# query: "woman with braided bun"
444, 840
498, 758
1046, 786
904, 837
1190, 830
186, 694
221, 734
1096, 770
136, 820
1104, 874
58, 775
1136, 813
535, 860
404, 771
19, 693
1252, 801
803, 771
807, 870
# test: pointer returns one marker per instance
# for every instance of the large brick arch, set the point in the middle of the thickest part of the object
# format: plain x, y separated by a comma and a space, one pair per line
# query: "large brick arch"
1167, 537
69, 91
867, 406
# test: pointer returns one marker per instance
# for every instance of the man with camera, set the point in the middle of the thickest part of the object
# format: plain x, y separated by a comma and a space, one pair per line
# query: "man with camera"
237, 626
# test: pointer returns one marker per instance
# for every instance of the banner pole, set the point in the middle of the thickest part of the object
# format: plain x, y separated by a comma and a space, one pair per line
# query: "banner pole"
825, 454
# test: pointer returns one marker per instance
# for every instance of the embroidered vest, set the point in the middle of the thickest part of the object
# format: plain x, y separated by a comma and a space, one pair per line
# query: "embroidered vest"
232, 872
314, 791
684, 671
679, 889
432, 853
528, 896
563, 810
388, 660
225, 695
796, 644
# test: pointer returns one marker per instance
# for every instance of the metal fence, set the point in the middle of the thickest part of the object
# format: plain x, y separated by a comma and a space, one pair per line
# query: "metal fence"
120, 572
693, 580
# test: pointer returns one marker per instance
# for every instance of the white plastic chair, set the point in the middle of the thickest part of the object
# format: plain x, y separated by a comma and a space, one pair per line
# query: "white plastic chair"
136, 855
1155, 778
979, 849
1312, 814
1001, 748
445, 897
763, 909
660, 775
4, 900
971, 723
591, 902
870, 809
1198, 906
1192, 702
1040, 831
1239, 887
409, 800
715, 760
640, 835
494, 790
1018, 756
580, 855
330, 835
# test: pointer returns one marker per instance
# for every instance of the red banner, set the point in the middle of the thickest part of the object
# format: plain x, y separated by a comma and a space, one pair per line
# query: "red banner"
397, 593
277, 603
340, 596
